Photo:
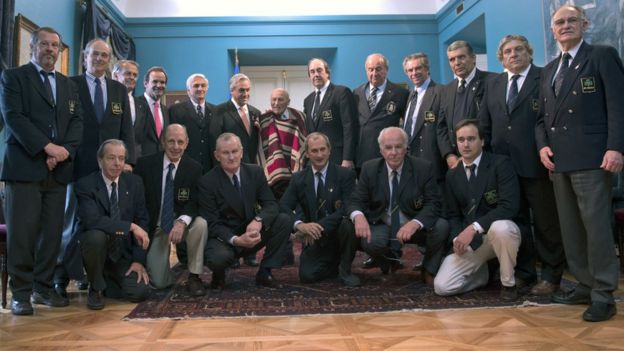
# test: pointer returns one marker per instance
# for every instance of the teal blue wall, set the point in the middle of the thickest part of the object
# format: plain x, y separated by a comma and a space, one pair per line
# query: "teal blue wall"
63, 15
184, 46
502, 17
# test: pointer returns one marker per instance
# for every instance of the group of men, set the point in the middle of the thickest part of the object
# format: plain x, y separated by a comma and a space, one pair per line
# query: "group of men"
487, 173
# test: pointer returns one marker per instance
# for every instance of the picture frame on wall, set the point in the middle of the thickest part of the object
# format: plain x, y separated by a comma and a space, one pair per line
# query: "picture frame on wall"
21, 54
173, 97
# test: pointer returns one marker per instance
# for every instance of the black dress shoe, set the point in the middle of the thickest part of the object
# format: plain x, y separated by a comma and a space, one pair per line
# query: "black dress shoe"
570, 298
369, 263
21, 308
94, 300
195, 286
49, 298
267, 281
82, 284
509, 293
218, 281
599, 311
251, 262
61, 289
347, 278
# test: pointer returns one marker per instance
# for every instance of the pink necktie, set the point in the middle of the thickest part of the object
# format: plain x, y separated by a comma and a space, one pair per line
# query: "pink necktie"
157, 119
245, 119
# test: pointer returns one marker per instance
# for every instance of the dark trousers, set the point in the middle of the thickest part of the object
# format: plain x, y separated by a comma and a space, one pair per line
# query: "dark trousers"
434, 241
584, 205
538, 193
34, 216
106, 275
221, 255
322, 259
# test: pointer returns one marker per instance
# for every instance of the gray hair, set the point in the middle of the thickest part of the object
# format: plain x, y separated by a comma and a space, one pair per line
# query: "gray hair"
460, 44
388, 129
190, 79
237, 78
119, 65
424, 59
100, 152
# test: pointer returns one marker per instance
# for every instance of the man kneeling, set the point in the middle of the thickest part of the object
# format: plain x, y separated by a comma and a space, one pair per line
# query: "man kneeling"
483, 196
111, 219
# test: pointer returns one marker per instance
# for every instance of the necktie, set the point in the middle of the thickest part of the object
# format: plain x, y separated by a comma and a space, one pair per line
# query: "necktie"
372, 98
200, 115
237, 185
565, 62
157, 121
320, 195
47, 85
410, 113
317, 106
245, 119
166, 215
471, 173
48, 88
395, 220
462, 86
513, 93
116, 241
98, 100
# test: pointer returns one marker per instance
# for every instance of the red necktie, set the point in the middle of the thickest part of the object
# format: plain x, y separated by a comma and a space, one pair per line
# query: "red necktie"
157, 119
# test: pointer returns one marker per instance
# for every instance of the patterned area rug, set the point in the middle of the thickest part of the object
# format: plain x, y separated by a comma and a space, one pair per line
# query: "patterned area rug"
402, 290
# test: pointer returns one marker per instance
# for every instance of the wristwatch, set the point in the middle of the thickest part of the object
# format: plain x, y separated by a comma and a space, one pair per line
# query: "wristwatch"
258, 219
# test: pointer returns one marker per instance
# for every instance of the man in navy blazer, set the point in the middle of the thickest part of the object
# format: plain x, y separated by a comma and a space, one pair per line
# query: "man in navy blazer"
508, 116
483, 198
580, 138
112, 219
461, 98
378, 110
152, 116
238, 117
334, 115
106, 115
422, 115
242, 215
178, 195
202, 123
397, 201
317, 197
43, 125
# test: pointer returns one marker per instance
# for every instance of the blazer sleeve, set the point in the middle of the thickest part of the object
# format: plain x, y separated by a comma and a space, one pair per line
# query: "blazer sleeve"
348, 115
141, 218
612, 74
127, 131
209, 202
430, 212
508, 199
92, 215
73, 134
265, 198
347, 181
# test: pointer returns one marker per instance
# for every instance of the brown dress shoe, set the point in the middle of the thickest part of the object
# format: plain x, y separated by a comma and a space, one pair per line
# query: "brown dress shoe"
544, 288
427, 277
195, 286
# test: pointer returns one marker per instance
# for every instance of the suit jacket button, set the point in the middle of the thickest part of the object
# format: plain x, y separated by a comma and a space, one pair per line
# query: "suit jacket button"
552, 129
570, 111
508, 127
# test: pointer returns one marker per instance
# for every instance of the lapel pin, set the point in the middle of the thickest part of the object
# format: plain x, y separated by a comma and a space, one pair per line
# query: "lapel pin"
577, 66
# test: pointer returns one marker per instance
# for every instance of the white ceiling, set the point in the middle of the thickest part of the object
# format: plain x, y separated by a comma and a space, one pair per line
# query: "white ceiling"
212, 8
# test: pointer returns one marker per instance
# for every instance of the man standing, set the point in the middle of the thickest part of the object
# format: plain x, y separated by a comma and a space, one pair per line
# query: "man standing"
126, 72
201, 124
421, 119
112, 219
282, 134
580, 138
380, 104
152, 115
242, 215
106, 115
461, 98
508, 115
397, 201
330, 110
318, 196
240, 118
170, 179
483, 197
43, 119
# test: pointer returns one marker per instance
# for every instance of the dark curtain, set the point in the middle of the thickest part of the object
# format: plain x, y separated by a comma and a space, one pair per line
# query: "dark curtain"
7, 9
97, 24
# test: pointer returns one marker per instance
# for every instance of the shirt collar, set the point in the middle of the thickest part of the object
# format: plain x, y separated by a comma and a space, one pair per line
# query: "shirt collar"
380, 88
572, 52
423, 87
39, 68
476, 161
469, 78
92, 78
108, 182
229, 175
521, 74
399, 170
167, 161
149, 99
235, 104
323, 171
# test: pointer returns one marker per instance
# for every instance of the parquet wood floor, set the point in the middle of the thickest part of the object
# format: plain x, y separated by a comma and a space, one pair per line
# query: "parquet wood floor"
529, 328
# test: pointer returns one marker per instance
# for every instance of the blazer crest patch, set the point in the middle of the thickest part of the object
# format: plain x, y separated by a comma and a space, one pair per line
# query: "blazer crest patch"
116, 108
184, 194
390, 107
535, 106
338, 204
430, 117
327, 116
72, 106
418, 203
257, 208
588, 85
491, 197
